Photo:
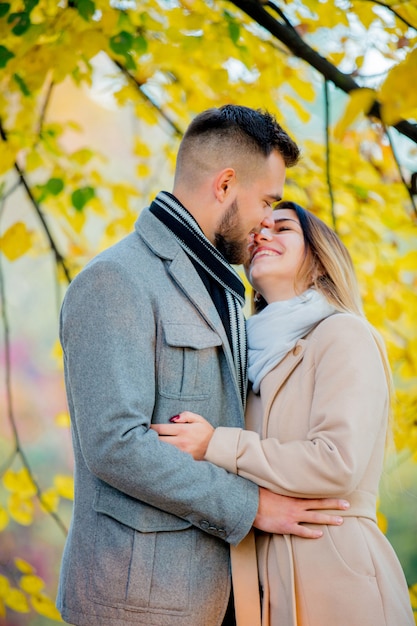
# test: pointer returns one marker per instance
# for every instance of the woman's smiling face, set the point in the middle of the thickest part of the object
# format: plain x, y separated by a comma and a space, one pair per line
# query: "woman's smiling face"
276, 256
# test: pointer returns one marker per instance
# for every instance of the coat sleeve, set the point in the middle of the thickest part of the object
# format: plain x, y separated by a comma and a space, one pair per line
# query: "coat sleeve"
108, 334
347, 415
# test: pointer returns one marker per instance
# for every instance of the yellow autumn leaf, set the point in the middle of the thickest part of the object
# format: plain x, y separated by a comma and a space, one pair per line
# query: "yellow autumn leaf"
409, 261
4, 585
7, 157
23, 566
64, 486
303, 88
16, 241
408, 10
141, 149
16, 600
20, 509
57, 353
359, 103
19, 482
329, 15
336, 57
4, 518
302, 113
121, 195
413, 596
125, 94
49, 500
33, 160
97, 205
397, 100
295, 193
31, 584
382, 522
146, 112
142, 170
364, 11
78, 219
44, 606
63, 420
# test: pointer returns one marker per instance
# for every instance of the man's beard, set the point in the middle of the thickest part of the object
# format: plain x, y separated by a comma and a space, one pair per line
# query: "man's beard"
228, 238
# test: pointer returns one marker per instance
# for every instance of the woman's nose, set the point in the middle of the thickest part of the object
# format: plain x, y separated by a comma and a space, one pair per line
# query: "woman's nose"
264, 234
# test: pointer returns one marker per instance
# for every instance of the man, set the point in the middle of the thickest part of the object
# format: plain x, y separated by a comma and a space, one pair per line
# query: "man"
151, 327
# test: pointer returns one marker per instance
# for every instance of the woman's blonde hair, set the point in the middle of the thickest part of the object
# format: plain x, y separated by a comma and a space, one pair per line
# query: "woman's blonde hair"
329, 269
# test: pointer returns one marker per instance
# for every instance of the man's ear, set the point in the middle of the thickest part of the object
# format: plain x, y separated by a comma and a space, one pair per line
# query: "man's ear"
224, 184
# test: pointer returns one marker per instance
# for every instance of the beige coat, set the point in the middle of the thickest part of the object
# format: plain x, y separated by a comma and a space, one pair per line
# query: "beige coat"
319, 427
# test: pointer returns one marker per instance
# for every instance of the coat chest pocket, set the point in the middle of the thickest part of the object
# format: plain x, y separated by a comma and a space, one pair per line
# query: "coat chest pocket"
187, 359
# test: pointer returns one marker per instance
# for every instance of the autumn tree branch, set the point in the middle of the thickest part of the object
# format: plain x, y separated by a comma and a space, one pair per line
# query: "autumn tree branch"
289, 36
59, 259
18, 450
146, 96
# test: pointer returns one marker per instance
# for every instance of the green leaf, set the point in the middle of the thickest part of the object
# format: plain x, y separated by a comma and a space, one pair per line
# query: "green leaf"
234, 32
22, 85
54, 186
121, 43
80, 197
23, 22
140, 45
4, 8
30, 5
5, 56
234, 28
86, 8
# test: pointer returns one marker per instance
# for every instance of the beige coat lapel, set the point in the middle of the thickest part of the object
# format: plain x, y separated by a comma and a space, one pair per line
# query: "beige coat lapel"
273, 381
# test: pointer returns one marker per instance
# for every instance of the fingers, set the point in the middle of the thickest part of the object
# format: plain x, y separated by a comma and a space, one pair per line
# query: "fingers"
306, 532
295, 516
187, 417
169, 430
328, 503
311, 517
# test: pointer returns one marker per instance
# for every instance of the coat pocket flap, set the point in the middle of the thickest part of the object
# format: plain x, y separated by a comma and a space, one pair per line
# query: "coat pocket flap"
134, 513
190, 336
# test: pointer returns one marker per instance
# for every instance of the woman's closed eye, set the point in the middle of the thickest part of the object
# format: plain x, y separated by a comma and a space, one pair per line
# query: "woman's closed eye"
286, 224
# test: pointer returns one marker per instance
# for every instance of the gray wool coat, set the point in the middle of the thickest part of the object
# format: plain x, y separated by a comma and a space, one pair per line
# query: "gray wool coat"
151, 527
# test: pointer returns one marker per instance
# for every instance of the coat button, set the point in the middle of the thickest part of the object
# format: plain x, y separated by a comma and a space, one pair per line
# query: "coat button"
297, 350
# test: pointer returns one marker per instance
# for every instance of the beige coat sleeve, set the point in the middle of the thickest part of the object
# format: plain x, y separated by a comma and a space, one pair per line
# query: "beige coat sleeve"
345, 416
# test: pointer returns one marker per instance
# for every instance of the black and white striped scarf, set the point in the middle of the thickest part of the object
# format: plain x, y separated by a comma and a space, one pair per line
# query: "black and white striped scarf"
192, 239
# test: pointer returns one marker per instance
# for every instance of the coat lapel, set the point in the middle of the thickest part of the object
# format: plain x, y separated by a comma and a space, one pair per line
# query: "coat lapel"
183, 272
273, 381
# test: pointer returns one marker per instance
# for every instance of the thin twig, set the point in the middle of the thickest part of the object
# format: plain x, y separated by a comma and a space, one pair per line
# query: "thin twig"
22, 179
327, 140
397, 162
177, 130
394, 12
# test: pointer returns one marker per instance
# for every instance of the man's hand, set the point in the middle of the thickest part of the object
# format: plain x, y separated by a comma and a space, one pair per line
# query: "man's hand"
283, 515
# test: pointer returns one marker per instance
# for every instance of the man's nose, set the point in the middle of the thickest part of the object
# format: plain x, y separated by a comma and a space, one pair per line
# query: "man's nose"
268, 222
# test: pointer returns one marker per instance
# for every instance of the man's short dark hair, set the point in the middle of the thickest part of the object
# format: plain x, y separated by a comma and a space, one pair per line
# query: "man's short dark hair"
251, 129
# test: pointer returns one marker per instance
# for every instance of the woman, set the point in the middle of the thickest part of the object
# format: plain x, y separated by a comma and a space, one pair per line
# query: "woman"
317, 422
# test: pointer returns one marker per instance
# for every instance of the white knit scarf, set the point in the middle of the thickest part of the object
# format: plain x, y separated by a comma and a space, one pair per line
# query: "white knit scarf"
274, 331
